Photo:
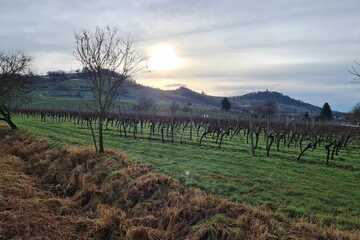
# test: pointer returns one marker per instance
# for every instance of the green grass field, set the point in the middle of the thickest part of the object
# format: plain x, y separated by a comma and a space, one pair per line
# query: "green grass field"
326, 194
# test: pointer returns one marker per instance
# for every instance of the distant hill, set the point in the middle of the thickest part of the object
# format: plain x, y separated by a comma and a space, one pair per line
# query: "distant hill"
76, 85
284, 102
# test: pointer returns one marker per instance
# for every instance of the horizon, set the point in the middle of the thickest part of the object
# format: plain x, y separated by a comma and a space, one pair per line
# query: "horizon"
224, 50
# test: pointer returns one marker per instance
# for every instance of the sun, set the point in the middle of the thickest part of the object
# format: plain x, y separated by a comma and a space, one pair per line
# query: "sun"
163, 57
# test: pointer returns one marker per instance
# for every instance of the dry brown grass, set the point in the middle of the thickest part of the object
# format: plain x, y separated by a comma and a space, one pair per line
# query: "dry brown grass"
89, 196
26, 212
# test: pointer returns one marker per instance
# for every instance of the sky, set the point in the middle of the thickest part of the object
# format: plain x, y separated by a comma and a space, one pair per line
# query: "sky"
302, 48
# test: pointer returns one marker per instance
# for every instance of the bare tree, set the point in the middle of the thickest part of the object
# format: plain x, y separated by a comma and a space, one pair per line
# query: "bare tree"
356, 111
110, 60
354, 71
14, 83
354, 115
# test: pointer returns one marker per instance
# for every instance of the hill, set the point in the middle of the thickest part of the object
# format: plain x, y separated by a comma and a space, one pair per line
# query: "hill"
75, 85
284, 102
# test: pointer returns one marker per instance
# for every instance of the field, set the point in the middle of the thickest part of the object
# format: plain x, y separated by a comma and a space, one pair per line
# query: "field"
328, 194
73, 193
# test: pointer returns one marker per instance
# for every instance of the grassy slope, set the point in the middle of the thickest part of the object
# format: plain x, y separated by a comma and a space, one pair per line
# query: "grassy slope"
310, 188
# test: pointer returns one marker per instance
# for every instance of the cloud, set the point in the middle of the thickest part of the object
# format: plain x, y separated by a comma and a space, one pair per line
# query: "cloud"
288, 44
53, 61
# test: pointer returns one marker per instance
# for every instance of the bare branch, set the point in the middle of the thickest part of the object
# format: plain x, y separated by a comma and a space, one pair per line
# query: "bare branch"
354, 71
14, 82
110, 60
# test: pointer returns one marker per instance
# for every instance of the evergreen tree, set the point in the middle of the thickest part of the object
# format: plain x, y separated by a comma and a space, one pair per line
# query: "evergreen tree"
225, 104
356, 112
326, 112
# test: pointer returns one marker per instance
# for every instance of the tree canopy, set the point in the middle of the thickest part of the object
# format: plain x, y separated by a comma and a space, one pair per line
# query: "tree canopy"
356, 112
225, 104
326, 112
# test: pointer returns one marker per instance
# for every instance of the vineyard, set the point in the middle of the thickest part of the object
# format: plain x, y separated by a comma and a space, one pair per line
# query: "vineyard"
312, 170
300, 136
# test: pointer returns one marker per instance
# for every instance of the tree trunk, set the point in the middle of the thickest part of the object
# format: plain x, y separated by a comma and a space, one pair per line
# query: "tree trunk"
6, 117
302, 152
257, 137
9, 122
269, 143
101, 137
251, 130
93, 135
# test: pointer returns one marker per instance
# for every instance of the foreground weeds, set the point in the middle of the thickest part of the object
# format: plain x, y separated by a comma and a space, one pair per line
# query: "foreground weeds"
75, 194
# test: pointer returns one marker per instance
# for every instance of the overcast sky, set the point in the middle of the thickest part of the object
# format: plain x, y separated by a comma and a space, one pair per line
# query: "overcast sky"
303, 48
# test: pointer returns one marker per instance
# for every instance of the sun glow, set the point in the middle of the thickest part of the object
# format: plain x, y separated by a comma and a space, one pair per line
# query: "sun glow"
163, 58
